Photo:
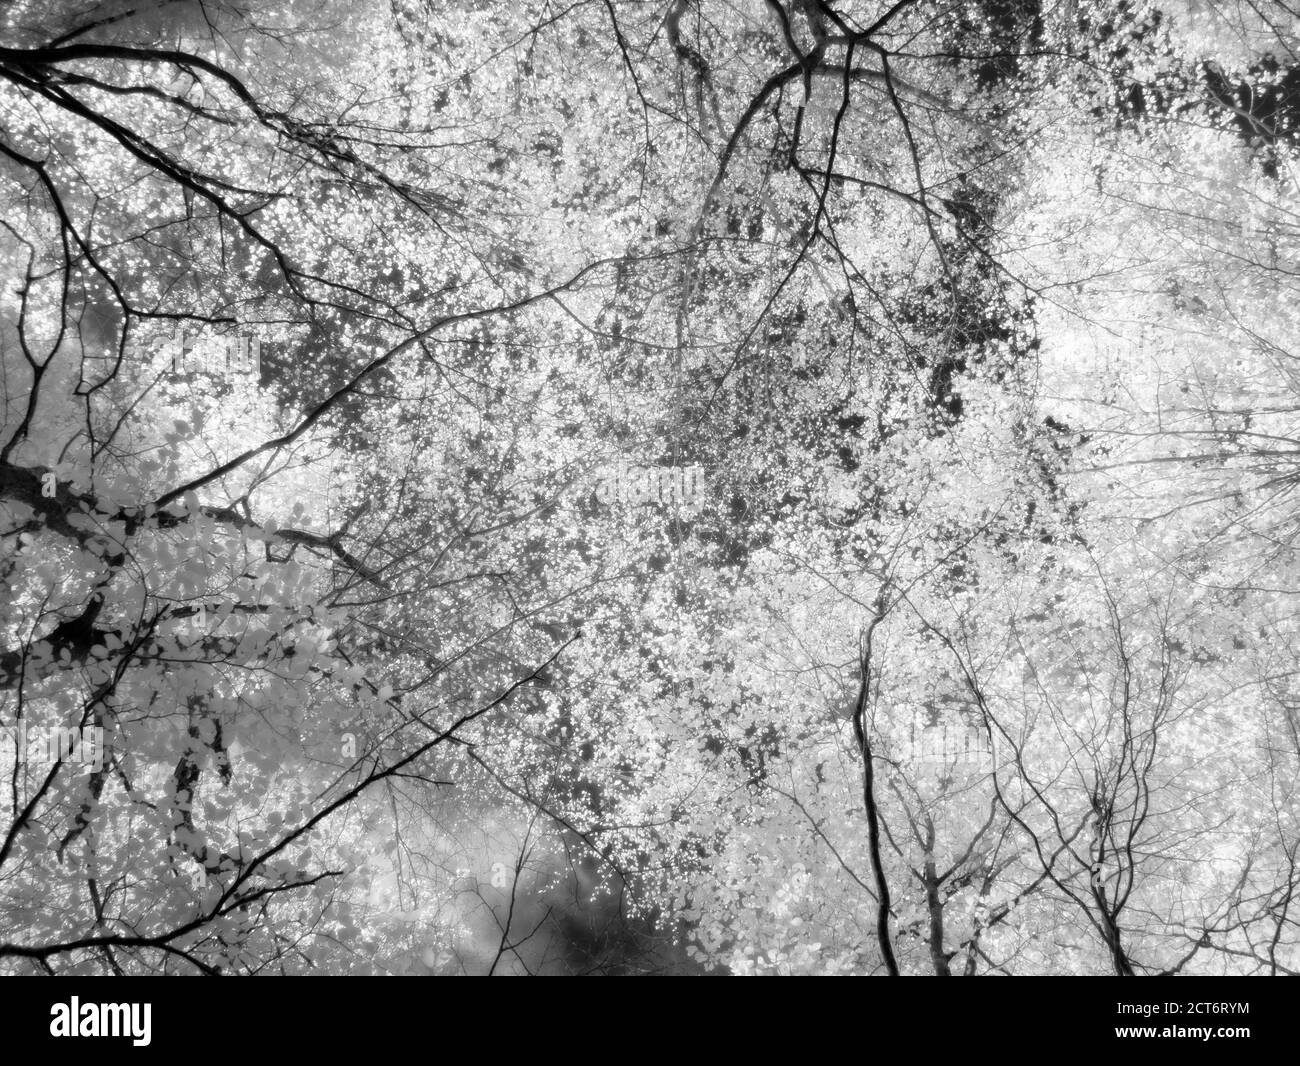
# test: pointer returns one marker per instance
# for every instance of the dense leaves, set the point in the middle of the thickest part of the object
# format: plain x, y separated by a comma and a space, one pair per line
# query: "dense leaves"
775, 487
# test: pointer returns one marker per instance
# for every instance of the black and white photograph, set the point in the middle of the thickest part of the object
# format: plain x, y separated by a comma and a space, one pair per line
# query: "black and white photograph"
651, 488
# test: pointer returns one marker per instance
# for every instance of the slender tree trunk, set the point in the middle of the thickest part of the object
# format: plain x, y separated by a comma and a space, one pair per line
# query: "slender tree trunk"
1111, 933
869, 803
873, 844
938, 957
1118, 957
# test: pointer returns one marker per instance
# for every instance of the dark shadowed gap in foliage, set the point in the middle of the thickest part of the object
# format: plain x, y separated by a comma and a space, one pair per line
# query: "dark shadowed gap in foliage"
566, 915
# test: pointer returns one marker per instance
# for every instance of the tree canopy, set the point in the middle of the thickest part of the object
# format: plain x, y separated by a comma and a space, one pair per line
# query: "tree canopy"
753, 486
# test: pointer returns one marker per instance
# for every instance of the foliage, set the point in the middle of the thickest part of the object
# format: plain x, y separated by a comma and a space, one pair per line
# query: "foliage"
974, 653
